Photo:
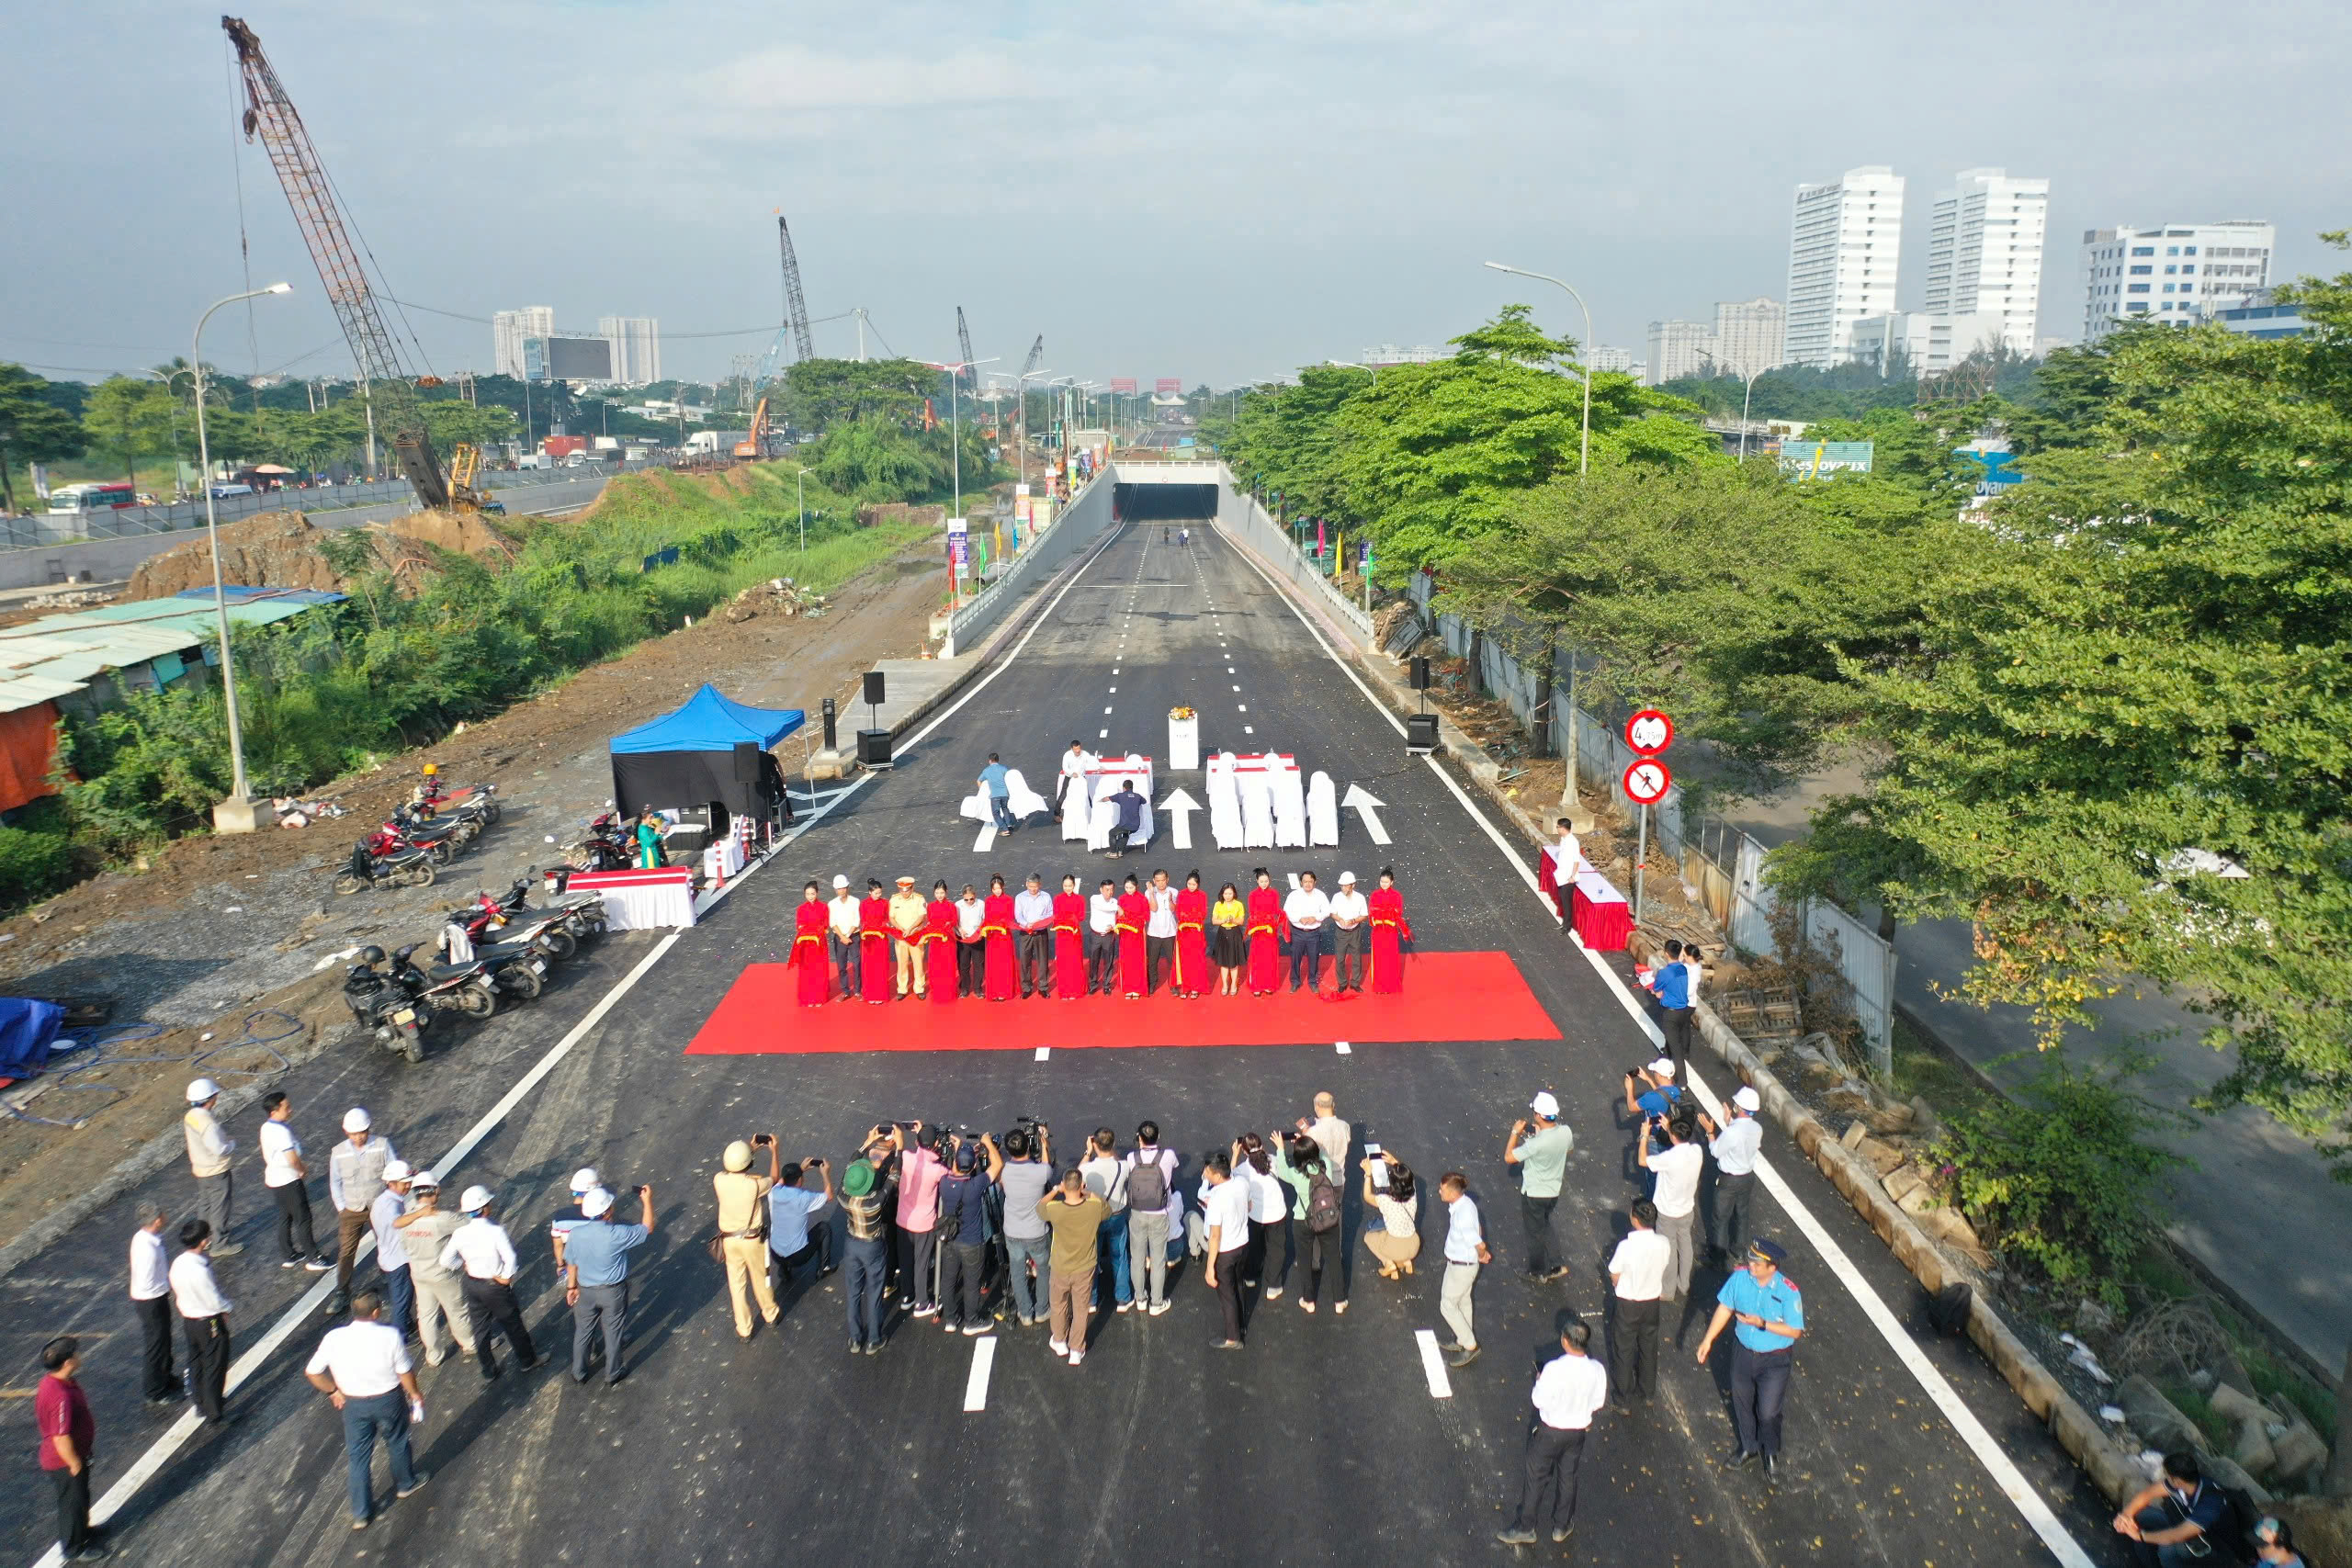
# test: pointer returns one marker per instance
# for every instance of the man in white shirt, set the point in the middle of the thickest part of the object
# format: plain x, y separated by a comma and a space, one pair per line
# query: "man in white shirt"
150, 1298
204, 1318
1073, 777
1306, 908
208, 1160
1102, 939
384, 1218
1331, 1134
971, 948
1567, 859
840, 922
1349, 918
364, 1368
1158, 931
1568, 1391
1225, 1205
1032, 938
1734, 1147
1676, 1169
1637, 1278
481, 1247
287, 1174
1465, 1249
355, 1175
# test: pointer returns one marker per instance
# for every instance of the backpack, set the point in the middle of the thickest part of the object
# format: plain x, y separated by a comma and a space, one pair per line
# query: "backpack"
1322, 1204
1147, 1185
950, 1224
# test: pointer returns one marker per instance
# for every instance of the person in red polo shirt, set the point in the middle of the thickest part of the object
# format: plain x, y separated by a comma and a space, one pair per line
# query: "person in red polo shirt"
69, 1437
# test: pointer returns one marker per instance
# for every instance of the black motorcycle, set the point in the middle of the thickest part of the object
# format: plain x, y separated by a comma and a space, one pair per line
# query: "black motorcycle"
442, 837
384, 1007
450, 987
406, 867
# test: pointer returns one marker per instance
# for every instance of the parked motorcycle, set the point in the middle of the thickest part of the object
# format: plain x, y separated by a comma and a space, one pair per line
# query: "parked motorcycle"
516, 967
556, 930
384, 1007
451, 987
404, 867
478, 802
444, 836
604, 845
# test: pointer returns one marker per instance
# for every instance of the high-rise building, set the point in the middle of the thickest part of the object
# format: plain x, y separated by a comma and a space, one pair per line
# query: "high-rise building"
1679, 349
507, 331
2178, 273
1749, 334
1930, 345
1985, 244
1617, 359
1844, 243
637, 348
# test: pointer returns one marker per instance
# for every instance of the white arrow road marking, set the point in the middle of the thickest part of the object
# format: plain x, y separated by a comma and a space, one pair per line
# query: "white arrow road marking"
1180, 806
1367, 808
987, 840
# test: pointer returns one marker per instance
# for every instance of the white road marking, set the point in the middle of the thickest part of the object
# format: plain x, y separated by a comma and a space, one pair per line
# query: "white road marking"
1341, 1047
1248, 729
1115, 691
1045, 1052
986, 841
1434, 1364
976, 1386
1102, 735
1179, 807
1237, 688
1106, 710
1243, 706
1368, 808
1998, 1464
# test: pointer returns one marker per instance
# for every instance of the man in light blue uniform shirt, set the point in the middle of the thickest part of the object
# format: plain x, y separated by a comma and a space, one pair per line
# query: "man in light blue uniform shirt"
1770, 1313
595, 1263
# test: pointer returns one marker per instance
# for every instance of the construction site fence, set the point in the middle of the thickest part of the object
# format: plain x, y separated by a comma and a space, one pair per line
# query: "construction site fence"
1721, 865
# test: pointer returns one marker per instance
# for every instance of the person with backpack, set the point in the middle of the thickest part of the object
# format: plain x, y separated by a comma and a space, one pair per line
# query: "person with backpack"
1148, 1176
1299, 1165
963, 1233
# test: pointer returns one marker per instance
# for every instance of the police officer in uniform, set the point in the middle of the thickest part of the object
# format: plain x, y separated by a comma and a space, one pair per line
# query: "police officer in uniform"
1769, 1311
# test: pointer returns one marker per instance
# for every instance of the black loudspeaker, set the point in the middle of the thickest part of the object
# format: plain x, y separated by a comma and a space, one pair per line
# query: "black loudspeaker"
832, 735
747, 761
1420, 674
1421, 732
874, 746
873, 688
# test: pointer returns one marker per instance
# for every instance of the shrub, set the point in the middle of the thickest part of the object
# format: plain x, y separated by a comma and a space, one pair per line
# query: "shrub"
35, 861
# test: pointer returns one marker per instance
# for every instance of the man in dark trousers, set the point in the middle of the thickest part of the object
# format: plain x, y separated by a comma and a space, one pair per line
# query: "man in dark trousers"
1129, 821
1770, 1314
481, 1248
1569, 1389
204, 1317
68, 1437
150, 1298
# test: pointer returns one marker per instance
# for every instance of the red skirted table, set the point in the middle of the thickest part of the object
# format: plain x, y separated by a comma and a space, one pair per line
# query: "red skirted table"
637, 900
1602, 918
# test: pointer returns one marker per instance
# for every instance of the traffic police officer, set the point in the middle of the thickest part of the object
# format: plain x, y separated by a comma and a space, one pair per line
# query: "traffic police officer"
1770, 1313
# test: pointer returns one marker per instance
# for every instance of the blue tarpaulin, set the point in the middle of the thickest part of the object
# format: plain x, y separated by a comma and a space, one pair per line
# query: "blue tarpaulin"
710, 722
27, 1029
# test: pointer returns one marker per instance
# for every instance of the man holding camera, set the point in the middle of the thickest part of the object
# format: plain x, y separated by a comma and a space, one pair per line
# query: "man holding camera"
1539, 1148
795, 1235
1023, 1177
1075, 1216
595, 1268
742, 1229
1734, 1146
867, 1198
963, 1230
1676, 1168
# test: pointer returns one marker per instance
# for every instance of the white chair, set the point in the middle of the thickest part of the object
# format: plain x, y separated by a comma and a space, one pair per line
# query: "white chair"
1322, 811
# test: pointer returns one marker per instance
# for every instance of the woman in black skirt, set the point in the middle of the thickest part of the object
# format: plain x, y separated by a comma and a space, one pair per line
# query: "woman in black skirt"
1226, 944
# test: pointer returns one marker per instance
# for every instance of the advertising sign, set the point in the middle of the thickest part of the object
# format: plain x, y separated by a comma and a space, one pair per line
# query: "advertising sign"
1819, 459
1170, 384
1122, 383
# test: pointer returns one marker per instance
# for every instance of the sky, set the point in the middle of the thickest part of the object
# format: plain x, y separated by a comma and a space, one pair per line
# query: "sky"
1217, 192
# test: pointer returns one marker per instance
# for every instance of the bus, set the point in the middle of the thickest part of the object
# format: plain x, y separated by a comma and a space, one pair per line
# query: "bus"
91, 496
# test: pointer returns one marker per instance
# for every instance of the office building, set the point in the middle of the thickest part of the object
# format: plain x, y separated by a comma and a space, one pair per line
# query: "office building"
1929, 344
1984, 245
637, 348
1748, 334
1620, 360
1679, 349
1388, 353
2259, 314
507, 331
1845, 241
2178, 273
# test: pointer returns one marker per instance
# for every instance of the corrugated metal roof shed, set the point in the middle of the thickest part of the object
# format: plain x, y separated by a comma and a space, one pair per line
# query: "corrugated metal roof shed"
57, 655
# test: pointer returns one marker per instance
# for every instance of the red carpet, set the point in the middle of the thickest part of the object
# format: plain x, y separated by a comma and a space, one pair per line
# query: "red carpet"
1447, 997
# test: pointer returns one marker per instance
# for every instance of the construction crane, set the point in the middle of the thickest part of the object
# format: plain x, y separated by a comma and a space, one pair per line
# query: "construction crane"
796, 313
968, 369
391, 395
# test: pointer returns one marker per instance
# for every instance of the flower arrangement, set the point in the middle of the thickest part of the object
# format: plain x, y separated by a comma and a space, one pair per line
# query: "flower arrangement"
1180, 713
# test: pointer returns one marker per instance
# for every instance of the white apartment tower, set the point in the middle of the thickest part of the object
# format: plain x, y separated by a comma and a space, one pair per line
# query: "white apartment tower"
1843, 247
1748, 334
1985, 244
637, 348
1678, 349
2175, 273
507, 331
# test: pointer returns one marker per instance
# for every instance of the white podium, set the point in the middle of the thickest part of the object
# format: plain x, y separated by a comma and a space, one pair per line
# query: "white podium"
1183, 743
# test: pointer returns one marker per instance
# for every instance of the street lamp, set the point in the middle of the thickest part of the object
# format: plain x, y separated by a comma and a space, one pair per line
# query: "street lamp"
235, 814
800, 487
1020, 437
1584, 353
1745, 399
1373, 370
956, 419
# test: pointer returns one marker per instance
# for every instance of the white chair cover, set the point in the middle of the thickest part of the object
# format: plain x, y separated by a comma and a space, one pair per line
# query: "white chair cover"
1322, 811
1225, 803
1106, 817
1257, 810
1026, 802
1290, 805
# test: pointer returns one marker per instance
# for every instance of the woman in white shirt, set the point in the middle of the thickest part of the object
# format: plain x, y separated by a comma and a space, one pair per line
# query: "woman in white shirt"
1398, 1240
1269, 1214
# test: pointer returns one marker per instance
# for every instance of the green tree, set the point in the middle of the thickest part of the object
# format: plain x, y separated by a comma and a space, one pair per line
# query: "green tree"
32, 428
130, 419
818, 394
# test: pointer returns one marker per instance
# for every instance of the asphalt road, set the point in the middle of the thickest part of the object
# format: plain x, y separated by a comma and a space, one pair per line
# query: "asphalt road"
1322, 1442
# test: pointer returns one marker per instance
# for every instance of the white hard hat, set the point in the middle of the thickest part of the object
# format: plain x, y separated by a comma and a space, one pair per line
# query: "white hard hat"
356, 1119
425, 1180
398, 1170
1546, 1105
1347, 879
476, 1198
596, 1204
585, 1180
201, 1091
1748, 1100
839, 881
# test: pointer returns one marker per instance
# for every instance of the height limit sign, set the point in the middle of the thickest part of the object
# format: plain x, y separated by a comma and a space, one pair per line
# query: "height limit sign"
1646, 779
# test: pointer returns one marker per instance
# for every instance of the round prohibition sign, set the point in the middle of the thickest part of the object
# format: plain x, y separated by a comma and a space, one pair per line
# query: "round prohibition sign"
1648, 732
1647, 781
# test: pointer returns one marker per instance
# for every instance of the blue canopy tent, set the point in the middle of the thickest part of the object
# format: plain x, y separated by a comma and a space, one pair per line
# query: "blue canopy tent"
712, 751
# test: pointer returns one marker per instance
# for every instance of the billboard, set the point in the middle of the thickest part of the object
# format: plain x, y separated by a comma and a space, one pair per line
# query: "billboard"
1820, 460
1123, 384
568, 358
1170, 384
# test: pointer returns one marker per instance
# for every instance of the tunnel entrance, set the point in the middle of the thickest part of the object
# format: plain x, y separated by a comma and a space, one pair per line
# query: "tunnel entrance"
1164, 502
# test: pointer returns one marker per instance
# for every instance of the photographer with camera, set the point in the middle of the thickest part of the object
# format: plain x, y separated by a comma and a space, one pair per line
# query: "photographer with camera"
1676, 1168
1075, 1215
920, 1172
1539, 1148
793, 1238
1024, 1178
963, 1230
1104, 1179
1149, 1178
595, 1268
743, 1228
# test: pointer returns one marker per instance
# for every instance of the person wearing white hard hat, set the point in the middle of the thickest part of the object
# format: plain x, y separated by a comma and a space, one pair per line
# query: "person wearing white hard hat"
481, 1249
595, 1282
1539, 1148
1734, 1148
208, 1160
424, 1231
840, 923
1350, 915
355, 1175
384, 1218
584, 1181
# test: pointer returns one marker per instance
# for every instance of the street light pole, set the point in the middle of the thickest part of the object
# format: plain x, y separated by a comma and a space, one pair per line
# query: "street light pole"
1745, 401
235, 814
1584, 354
800, 487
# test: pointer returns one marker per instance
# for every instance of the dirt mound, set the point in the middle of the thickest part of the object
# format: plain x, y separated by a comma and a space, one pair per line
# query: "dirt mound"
280, 549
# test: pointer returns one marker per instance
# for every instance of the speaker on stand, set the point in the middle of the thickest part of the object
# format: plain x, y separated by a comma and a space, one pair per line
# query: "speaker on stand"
873, 741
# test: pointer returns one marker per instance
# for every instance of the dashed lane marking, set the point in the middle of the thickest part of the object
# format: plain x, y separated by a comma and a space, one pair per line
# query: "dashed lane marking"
1434, 1364
976, 1385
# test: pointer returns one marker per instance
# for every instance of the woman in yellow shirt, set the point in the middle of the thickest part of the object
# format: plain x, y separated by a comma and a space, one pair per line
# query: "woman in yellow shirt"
1225, 921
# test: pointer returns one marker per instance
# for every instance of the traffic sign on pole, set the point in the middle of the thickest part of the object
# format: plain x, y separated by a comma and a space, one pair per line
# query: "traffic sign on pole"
1647, 781
1648, 732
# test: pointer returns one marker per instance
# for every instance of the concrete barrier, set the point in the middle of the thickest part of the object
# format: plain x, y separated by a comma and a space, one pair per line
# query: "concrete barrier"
1075, 527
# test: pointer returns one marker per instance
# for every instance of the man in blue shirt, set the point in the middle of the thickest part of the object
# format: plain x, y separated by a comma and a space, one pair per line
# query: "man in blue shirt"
2168, 1524
792, 1240
993, 779
1670, 983
1770, 1313
595, 1268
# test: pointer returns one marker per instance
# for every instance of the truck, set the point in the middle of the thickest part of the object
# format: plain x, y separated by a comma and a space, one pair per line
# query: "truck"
711, 443
563, 446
